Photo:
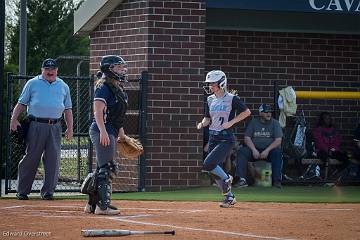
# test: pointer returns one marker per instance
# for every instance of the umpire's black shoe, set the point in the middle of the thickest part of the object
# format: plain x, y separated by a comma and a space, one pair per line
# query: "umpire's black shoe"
20, 196
47, 197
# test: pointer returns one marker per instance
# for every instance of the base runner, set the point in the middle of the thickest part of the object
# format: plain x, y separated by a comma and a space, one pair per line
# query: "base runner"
220, 115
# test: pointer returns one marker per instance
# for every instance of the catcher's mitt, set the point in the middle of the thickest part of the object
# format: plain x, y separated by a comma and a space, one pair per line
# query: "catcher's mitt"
130, 148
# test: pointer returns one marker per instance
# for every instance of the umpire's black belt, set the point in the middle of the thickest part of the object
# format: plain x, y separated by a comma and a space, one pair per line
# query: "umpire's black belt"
44, 120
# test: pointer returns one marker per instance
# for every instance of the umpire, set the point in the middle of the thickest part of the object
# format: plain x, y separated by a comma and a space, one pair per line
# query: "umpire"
46, 98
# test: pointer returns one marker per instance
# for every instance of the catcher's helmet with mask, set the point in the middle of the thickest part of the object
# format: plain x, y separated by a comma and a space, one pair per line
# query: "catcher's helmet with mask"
215, 76
107, 64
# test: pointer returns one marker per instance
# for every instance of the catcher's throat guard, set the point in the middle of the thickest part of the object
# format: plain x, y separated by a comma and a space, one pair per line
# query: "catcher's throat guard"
89, 184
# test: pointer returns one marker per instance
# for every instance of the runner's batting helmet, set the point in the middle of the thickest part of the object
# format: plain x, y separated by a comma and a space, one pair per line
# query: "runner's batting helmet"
215, 76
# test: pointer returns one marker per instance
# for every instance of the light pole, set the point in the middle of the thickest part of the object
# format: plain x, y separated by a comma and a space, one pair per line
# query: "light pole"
22, 42
2, 86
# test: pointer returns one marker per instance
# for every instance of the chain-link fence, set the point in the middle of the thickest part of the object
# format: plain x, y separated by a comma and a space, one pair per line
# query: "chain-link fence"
76, 154
132, 172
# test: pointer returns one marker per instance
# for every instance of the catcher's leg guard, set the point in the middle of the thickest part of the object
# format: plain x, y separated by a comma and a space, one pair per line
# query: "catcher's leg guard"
110, 205
104, 189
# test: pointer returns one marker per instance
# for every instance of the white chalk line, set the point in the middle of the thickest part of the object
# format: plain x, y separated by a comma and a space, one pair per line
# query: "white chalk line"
171, 210
129, 208
168, 210
41, 206
127, 220
11, 207
249, 235
91, 216
45, 213
183, 210
303, 210
41, 210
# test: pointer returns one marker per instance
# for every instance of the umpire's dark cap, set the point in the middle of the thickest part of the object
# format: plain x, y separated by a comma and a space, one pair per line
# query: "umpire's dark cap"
49, 63
265, 108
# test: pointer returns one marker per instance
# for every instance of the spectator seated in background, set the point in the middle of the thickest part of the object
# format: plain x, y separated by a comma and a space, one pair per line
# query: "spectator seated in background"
327, 140
262, 140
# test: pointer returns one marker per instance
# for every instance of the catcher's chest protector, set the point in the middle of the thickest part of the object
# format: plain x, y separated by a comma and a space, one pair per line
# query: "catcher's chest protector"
116, 113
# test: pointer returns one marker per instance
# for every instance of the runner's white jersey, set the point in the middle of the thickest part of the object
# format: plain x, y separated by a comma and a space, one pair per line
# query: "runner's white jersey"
223, 109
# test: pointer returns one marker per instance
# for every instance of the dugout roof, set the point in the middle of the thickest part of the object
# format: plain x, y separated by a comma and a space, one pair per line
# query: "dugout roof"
313, 16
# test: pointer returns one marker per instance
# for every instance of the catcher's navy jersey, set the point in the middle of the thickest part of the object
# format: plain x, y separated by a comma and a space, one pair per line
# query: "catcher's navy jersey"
223, 109
104, 94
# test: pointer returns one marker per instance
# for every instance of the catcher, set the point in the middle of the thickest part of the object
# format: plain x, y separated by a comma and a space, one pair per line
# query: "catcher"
110, 105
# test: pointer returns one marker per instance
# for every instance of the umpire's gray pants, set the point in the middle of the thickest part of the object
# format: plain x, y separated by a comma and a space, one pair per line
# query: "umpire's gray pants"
43, 141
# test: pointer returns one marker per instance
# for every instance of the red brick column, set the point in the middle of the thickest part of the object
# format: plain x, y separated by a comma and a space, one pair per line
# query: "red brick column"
166, 38
176, 65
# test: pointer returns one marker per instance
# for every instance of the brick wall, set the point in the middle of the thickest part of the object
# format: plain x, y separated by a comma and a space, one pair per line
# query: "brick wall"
166, 38
253, 61
124, 32
176, 65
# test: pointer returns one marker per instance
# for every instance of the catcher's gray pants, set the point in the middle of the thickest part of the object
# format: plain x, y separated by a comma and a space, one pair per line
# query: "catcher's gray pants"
103, 154
43, 141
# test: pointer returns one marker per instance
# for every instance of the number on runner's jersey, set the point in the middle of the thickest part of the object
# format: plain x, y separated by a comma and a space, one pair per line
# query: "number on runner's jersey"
221, 120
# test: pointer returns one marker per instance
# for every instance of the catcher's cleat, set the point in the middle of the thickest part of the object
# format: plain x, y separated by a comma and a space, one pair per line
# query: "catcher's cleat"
91, 209
107, 211
88, 208
112, 207
229, 201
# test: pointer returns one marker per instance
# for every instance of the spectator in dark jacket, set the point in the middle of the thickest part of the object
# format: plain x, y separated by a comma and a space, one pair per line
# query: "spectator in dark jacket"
327, 140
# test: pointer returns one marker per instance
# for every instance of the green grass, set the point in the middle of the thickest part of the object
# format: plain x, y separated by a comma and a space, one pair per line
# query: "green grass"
303, 194
288, 194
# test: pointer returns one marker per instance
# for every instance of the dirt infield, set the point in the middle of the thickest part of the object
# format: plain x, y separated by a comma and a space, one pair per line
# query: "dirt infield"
64, 219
